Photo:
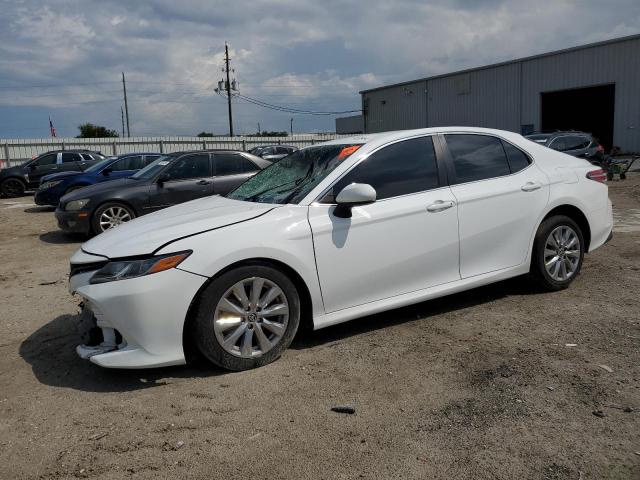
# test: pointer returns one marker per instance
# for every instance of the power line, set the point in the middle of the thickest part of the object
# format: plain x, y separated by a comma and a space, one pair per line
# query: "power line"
282, 108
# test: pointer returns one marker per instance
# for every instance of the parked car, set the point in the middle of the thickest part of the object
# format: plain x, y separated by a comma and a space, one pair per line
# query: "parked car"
14, 181
577, 144
54, 186
273, 152
333, 232
169, 180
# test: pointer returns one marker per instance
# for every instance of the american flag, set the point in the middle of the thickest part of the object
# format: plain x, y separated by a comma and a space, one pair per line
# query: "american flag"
52, 128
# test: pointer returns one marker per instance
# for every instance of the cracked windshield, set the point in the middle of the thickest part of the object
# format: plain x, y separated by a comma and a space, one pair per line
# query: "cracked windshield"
293, 177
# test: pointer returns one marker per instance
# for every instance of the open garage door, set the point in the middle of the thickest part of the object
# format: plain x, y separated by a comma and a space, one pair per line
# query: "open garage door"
587, 109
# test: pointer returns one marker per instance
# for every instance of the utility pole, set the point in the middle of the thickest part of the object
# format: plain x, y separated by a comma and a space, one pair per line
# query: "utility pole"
227, 87
126, 105
258, 128
292, 127
122, 115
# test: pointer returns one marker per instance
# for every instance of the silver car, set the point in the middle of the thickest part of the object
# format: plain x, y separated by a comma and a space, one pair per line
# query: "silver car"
576, 144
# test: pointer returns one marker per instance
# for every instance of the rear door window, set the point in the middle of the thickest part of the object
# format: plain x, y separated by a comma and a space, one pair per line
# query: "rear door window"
577, 142
128, 163
70, 157
232, 164
400, 169
477, 157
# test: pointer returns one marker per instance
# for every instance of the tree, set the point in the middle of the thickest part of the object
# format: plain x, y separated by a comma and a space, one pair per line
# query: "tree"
205, 134
89, 130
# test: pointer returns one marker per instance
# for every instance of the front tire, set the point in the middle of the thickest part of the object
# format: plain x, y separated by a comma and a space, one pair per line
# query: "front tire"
12, 187
110, 215
558, 252
247, 317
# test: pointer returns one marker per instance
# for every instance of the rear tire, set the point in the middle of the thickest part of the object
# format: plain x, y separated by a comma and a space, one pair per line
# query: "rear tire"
558, 251
229, 327
110, 215
12, 187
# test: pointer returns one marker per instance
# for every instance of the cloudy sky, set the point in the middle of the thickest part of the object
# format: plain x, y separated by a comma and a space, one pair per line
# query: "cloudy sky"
64, 58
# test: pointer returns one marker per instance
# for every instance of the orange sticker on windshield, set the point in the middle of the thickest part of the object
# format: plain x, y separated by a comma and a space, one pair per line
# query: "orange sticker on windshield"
346, 151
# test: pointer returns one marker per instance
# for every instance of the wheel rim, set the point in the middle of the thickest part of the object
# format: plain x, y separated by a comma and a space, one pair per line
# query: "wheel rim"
113, 216
251, 317
562, 253
12, 187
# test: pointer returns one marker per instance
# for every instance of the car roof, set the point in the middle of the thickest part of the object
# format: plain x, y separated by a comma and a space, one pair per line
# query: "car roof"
217, 150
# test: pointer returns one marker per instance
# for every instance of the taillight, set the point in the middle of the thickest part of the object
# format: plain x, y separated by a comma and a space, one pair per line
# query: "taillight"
597, 175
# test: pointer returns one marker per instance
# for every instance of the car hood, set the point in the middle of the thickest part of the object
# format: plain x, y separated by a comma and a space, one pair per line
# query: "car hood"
59, 176
88, 192
147, 234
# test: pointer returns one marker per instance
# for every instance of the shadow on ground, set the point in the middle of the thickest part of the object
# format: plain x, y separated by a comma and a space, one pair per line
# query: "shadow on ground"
58, 237
50, 350
416, 313
39, 209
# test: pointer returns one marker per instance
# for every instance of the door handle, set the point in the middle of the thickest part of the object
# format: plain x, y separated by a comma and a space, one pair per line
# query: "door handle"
531, 186
203, 182
439, 206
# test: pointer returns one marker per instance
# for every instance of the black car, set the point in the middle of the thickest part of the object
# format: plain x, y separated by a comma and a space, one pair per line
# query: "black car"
171, 179
15, 180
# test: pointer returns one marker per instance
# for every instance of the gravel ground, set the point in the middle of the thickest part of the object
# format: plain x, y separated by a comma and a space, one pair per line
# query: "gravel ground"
497, 383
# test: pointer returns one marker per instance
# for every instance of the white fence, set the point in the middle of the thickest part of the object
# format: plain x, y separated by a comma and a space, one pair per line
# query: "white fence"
16, 151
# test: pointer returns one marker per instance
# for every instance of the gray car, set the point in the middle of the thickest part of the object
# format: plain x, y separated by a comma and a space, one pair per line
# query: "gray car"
273, 152
577, 144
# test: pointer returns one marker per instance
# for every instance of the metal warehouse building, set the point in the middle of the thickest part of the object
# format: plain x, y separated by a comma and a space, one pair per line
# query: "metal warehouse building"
594, 88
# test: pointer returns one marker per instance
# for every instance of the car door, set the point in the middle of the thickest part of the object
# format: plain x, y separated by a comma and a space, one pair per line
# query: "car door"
500, 195
43, 165
187, 178
231, 170
407, 240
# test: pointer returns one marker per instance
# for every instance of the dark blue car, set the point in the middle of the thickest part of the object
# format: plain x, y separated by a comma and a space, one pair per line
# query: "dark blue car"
53, 187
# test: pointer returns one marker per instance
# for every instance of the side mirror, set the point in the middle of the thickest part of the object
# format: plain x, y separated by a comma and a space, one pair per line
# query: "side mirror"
106, 172
165, 177
352, 196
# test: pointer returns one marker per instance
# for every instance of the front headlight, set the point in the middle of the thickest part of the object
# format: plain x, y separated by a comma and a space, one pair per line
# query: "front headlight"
51, 184
74, 205
124, 269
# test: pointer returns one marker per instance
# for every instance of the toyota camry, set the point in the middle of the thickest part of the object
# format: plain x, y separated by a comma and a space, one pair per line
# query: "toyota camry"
333, 232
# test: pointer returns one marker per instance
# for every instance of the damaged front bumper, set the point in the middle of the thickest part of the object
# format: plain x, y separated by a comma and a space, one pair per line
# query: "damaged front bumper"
135, 323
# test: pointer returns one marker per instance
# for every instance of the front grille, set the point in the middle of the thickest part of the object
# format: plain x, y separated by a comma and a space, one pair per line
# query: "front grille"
76, 268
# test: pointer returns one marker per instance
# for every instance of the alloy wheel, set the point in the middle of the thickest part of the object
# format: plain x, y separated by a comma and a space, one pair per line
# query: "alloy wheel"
251, 317
113, 216
562, 252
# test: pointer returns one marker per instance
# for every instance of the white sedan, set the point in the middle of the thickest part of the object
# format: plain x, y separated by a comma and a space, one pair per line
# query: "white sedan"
334, 232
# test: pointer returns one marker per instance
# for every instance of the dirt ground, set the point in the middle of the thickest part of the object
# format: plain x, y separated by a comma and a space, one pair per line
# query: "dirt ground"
479, 385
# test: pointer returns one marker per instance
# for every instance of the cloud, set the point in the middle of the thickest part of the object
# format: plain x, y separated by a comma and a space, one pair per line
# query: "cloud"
66, 58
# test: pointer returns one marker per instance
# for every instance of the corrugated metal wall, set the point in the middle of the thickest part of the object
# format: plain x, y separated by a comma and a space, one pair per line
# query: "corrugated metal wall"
352, 124
507, 96
396, 108
490, 98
